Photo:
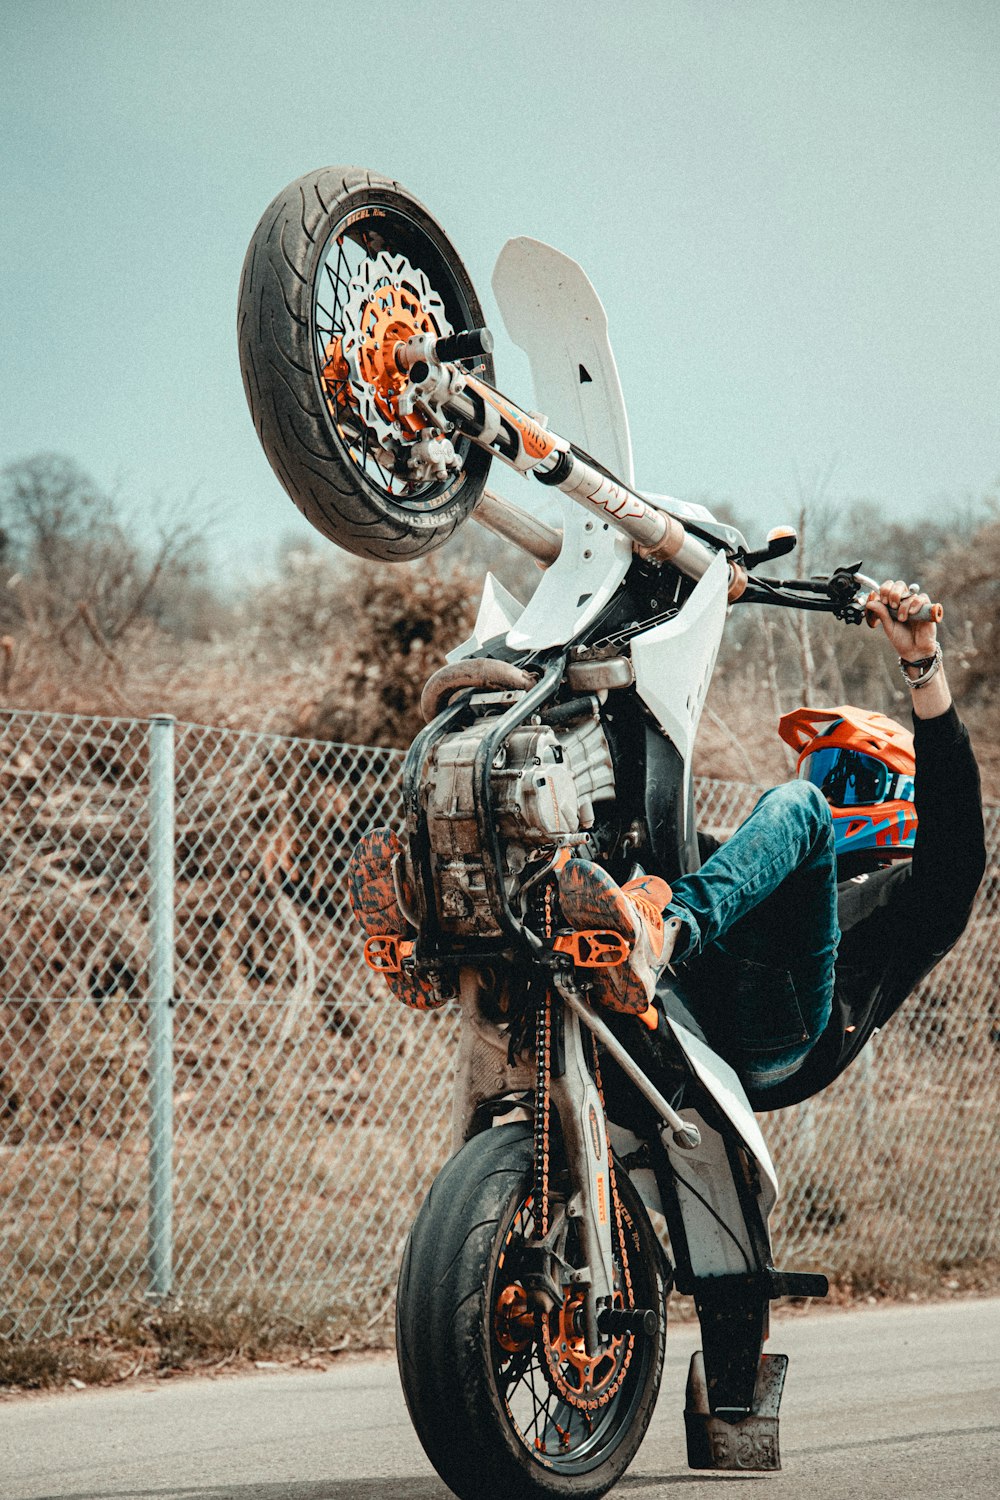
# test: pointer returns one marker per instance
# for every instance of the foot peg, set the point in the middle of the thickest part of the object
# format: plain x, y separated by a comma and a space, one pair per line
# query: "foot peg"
385, 954
592, 949
748, 1443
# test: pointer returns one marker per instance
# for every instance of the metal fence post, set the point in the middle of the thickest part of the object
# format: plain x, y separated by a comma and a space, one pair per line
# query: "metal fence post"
161, 999
866, 1081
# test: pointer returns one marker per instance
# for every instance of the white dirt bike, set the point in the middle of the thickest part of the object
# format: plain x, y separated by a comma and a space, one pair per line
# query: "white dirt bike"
532, 1298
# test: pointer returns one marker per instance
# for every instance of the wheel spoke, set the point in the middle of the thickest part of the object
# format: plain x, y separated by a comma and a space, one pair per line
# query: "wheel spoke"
386, 475
546, 1390
541, 1404
337, 279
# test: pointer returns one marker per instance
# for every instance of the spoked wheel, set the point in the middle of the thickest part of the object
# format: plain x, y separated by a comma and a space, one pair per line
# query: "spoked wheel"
507, 1402
343, 266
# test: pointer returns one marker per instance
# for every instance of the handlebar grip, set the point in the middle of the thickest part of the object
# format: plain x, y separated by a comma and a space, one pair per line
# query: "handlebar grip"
934, 612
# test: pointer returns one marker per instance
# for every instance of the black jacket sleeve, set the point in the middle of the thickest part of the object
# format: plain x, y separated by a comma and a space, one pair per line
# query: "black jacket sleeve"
898, 924
950, 854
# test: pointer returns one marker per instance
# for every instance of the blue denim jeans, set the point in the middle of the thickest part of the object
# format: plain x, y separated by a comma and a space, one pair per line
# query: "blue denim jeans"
757, 962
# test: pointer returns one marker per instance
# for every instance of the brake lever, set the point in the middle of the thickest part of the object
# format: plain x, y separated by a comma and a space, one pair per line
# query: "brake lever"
864, 587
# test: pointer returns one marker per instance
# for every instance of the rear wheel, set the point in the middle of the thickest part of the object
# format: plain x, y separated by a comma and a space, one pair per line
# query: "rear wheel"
342, 266
506, 1402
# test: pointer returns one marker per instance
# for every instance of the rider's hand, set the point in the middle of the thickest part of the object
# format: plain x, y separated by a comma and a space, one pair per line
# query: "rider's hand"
911, 639
914, 640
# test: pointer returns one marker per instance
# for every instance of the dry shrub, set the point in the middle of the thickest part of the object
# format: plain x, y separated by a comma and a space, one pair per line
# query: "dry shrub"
398, 624
39, 1364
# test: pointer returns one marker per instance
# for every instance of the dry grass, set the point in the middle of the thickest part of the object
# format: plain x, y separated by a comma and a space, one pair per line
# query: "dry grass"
235, 1332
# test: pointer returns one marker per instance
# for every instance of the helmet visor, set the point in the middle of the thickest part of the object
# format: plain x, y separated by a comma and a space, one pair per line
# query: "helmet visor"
848, 778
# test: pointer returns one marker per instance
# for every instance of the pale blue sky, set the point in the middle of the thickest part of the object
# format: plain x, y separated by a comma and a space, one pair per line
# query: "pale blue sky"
789, 207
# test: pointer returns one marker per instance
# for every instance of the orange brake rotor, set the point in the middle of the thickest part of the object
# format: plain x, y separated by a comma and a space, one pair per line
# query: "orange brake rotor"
392, 316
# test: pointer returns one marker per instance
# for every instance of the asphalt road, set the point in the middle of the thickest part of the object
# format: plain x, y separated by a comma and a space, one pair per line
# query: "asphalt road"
897, 1403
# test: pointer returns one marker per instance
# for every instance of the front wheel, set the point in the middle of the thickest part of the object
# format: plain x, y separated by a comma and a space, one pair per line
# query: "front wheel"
343, 267
507, 1403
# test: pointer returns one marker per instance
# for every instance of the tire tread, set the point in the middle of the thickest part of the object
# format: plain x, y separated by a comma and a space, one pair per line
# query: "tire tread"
288, 412
444, 1360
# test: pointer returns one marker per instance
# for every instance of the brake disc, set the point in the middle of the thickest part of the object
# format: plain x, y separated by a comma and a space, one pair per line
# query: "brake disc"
388, 302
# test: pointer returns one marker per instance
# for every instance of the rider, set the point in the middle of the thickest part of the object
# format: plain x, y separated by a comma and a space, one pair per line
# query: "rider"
808, 928
789, 946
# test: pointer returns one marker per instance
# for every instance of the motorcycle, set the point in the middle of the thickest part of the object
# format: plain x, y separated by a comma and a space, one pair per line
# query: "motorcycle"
599, 1160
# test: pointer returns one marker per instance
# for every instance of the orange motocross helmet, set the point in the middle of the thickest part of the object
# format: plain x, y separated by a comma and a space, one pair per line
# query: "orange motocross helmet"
864, 765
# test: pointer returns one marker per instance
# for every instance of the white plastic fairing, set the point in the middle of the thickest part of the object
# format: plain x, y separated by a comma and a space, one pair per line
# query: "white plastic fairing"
593, 561
552, 312
498, 610
673, 662
725, 1088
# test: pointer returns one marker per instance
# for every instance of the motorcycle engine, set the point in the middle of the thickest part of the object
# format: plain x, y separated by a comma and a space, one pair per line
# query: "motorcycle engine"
545, 783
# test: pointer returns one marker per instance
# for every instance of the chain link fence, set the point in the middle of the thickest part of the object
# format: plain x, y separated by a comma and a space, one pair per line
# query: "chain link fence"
272, 1132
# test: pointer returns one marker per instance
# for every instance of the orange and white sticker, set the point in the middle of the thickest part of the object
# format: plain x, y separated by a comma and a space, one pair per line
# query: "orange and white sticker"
602, 1199
536, 443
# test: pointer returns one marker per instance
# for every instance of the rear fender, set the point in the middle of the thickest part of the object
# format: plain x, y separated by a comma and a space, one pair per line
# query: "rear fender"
721, 1082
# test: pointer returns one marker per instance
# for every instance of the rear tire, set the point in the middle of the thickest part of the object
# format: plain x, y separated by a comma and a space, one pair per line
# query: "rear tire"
462, 1389
298, 288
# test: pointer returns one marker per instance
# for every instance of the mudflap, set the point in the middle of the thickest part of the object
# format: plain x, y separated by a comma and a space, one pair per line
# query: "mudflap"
749, 1444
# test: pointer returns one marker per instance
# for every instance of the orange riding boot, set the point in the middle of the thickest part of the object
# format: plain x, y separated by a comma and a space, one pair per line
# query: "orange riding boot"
373, 900
591, 900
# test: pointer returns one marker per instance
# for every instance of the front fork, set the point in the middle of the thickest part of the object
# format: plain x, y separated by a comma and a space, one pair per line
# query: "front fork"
450, 399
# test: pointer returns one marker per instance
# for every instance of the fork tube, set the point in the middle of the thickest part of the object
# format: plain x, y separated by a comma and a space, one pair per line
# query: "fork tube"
495, 424
539, 540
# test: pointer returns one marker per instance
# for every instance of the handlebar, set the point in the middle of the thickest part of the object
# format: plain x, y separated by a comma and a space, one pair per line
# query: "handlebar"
843, 594
523, 442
